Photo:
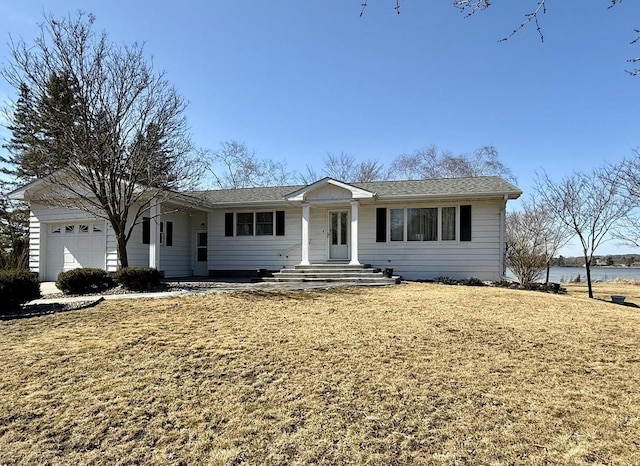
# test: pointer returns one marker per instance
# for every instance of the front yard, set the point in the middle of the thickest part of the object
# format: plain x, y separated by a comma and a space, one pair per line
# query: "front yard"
420, 373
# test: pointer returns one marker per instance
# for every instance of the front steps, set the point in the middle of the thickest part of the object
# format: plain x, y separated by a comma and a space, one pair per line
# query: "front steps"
333, 273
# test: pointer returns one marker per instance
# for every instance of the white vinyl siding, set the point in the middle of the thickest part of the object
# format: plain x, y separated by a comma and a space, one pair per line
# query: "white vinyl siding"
177, 260
248, 253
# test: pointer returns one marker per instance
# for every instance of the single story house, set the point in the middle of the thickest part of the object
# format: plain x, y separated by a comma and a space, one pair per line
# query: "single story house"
422, 229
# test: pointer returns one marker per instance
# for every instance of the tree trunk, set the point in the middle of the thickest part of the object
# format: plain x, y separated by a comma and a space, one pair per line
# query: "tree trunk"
587, 266
546, 281
123, 259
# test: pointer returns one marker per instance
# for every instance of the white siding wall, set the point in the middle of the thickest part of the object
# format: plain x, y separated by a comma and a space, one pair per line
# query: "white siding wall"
252, 252
137, 251
35, 243
177, 260
481, 257
112, 249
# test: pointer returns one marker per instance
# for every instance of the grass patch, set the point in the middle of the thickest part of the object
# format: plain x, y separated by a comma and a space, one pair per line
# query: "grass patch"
414, 374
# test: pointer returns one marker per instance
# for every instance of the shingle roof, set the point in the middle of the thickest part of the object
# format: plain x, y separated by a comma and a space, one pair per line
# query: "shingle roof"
442, 187
481, 186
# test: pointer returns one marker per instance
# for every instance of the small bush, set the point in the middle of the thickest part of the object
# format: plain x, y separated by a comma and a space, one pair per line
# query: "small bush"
83, 281
473, 281
577, 279
16, 288
138, 278
445, 280
506, 284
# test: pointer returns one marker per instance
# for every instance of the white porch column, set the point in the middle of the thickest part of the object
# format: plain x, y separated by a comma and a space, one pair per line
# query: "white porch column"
305, 234
154, 240
354, 233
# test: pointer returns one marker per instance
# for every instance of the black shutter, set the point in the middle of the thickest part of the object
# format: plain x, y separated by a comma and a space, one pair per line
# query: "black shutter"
381, 225
465, 223
146, 230
228, 224
279, 222
169, 239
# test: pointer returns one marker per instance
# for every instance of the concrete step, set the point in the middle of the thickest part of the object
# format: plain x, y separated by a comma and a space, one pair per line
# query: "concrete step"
332, 267
346, 280
332, 273
323, 273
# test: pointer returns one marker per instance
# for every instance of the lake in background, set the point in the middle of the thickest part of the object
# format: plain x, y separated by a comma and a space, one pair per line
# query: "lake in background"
601, 274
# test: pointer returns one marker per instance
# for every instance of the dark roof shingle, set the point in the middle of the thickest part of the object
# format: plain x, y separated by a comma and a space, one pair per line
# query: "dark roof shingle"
434, 188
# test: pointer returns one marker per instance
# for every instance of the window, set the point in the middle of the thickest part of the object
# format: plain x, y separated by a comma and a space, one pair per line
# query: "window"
422, 224
97, 228
146, 230
244, 224
69, 228
264, 223
161, 232
254, 223
397, 224
448, 232
202, 239
56, 229
83, 228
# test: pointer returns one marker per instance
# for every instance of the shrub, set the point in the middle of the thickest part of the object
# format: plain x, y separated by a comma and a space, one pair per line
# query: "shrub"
473, 281
83, 281
138, 278
445, 280
17, 287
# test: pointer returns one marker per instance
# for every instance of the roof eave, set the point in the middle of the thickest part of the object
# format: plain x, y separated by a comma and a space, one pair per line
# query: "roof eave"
400, 197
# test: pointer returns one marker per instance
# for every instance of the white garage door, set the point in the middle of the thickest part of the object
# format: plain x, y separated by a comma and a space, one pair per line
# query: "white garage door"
73, 245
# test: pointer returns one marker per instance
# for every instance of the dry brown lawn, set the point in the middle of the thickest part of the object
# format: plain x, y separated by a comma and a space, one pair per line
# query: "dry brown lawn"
412, 374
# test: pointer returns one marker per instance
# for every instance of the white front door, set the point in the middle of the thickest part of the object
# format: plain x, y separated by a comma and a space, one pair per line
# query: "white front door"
201, 268
339, 235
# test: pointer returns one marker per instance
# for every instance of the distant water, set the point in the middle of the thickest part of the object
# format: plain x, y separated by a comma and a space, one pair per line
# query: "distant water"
600, 274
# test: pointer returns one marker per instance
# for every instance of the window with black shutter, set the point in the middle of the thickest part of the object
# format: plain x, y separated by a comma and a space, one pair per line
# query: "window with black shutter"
228, 224
465, 223
146, 230
280, 223
169, 233
381, 225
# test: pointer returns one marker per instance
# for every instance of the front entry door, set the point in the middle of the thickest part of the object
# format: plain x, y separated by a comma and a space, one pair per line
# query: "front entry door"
201, 268
339, 235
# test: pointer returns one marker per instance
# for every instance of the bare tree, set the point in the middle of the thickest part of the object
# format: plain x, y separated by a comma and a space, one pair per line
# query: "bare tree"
234, 166
345, 167
627, 174
588, 204
534, 235
309, 175
429, 163
119, 143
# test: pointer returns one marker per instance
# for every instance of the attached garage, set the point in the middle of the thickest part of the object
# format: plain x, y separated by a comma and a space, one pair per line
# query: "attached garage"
73, 245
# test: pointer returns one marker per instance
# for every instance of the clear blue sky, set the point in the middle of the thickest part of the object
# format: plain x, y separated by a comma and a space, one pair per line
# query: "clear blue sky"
295, 79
